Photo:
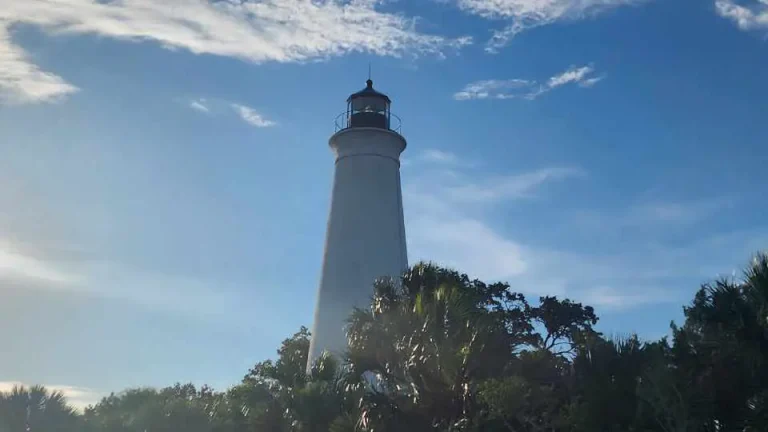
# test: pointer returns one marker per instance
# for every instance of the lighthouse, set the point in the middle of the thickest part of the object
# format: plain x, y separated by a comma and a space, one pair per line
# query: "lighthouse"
365, 237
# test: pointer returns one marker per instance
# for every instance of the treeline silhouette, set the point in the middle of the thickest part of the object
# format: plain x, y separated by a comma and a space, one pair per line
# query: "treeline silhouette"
438, 351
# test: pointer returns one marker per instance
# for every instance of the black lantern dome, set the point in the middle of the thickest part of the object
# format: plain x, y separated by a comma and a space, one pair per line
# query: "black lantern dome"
369, 91
368, 108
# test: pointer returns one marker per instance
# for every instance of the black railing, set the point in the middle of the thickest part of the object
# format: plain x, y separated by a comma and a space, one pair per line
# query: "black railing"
376, 119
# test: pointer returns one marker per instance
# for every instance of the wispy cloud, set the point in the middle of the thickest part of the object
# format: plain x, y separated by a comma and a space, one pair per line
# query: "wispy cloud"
495, 89
433, 158
440, 230
675, 212
216, 107
646, 215
199, 105
22, 82
252, 117
641, 273
455, 217
15, 264
577, 75
603, 297
174, 294
523, 15
268, 30
77, 397
439, 156
35, 267
516, 186
527, 89
747, 14
464, 243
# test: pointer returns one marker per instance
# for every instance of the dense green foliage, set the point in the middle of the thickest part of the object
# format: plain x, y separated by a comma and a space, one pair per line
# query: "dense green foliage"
439, 351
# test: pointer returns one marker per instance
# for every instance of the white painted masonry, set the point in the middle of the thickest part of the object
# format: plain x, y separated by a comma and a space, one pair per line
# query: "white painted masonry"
365, 237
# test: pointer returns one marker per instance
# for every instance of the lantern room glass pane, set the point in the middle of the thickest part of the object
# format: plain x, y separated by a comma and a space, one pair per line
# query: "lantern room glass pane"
369, 104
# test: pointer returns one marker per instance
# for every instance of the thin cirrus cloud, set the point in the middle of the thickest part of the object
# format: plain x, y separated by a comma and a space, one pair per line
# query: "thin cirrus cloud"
446, 225
439, 156
247, 114
441, 230
517, 186
22, 82
264, 31
464, 243
251, 116
605, 297
522, 15
516, 88
15, 264
179, 295
200, 105
748, 15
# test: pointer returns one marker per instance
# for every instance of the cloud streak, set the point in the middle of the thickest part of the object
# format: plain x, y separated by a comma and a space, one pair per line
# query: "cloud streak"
522, 15
173, 294
748, 15
183, 295
465, 243
496, 89
448, 218
604, 297
22, 82
510, 187
439, 156
577, 75
252, 117
247, 114
440, 230
516, 88
16, 265
264, 31
646, 215
199, 105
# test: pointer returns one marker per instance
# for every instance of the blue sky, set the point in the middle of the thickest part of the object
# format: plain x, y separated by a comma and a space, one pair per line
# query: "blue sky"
165, 175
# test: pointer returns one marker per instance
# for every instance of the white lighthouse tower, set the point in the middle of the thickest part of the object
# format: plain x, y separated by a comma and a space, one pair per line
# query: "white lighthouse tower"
365, 238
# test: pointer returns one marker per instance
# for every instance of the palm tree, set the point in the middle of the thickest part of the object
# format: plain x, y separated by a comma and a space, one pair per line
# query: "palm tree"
35, 409
605, 377
282, 396
328, 400
722, 351
427, 340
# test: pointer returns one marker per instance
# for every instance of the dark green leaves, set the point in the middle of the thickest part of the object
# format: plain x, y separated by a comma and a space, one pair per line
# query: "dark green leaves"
438, 351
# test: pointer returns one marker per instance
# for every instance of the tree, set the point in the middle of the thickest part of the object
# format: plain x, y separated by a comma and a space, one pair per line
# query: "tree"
440, 351
723, 350
605, 379
289, 368
180, 407
428, 339
518, 404
36, 409
666, 393
447, 351
565, 322
281, 396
